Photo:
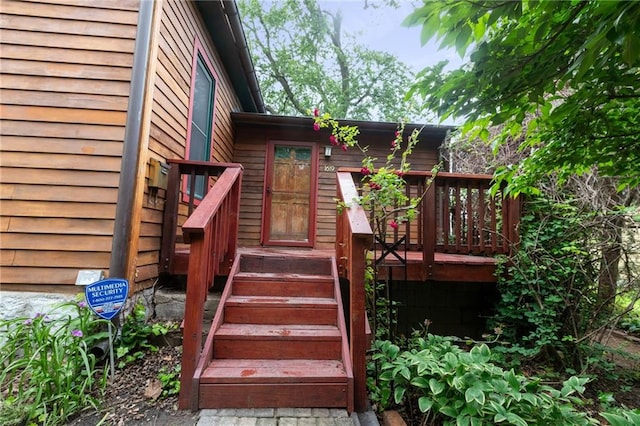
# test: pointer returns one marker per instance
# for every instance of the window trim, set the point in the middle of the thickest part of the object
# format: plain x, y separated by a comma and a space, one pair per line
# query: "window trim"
200, 52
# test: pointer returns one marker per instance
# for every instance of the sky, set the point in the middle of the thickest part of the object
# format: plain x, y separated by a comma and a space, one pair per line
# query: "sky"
381, 29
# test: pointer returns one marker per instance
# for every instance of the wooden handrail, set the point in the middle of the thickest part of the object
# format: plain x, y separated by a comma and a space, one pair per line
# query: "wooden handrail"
212, 231
353, 237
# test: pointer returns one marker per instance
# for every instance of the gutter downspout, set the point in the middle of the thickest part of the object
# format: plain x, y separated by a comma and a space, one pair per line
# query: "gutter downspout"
123, 226
231, 10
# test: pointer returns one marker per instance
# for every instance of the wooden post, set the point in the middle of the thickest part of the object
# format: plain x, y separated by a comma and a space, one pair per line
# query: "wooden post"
193, 317
429, 229
359, 245
357, 236
170, 220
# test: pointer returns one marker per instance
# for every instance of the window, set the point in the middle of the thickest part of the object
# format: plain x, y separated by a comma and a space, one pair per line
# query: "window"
200, 131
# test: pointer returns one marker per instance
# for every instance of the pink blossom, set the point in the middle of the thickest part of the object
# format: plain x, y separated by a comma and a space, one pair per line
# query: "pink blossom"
344, 147
365, 171
82, 304
397, 133
316, 112
393, 144
374, 186
393, 224
76, 333
316, 126
333, 140
28, 321
399, 173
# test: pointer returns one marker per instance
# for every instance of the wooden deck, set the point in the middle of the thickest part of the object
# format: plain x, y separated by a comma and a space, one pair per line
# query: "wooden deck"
447, 267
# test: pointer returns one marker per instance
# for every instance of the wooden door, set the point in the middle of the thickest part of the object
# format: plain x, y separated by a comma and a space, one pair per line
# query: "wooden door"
290, 194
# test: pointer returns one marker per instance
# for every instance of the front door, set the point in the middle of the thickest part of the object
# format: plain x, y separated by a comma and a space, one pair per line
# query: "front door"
290, 194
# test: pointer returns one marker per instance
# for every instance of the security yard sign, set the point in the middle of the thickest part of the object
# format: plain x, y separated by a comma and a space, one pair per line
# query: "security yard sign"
107, 297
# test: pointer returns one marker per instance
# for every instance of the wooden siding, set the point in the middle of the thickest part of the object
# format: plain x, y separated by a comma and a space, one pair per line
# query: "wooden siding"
181, 25
250, 151
66, 67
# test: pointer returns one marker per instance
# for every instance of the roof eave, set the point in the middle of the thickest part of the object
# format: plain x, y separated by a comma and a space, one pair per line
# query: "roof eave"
222, 21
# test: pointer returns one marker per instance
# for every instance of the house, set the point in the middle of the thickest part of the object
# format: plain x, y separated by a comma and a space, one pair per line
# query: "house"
134, 141
94, 95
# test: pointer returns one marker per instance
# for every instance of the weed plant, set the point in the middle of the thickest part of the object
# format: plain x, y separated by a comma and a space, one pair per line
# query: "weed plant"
47, 369
137, 336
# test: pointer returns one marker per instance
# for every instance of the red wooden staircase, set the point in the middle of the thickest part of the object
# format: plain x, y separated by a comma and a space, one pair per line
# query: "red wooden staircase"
278, 338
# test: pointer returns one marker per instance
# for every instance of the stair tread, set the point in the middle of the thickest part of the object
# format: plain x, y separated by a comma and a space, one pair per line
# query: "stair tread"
282, 276
274, 371
279, 300
296, 331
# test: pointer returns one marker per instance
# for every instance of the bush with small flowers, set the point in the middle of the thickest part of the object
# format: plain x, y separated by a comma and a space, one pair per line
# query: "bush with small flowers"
383, 188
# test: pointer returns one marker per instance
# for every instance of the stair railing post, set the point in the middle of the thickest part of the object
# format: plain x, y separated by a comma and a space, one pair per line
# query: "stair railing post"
357, 237
357, 259
193, 318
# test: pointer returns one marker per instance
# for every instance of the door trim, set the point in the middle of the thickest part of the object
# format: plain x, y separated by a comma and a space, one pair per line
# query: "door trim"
313, 195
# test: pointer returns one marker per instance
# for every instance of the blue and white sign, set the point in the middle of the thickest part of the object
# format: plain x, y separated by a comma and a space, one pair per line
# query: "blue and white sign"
106, 298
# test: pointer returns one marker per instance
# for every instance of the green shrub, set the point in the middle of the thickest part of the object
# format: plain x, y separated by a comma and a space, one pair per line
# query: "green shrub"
466, 388
548, 293
622, 417
47, 370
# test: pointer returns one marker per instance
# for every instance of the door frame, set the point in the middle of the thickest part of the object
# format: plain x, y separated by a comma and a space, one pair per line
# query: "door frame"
313, 194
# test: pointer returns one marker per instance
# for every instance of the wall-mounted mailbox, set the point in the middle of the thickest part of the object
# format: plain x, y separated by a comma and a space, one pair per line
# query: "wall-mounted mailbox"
158, 174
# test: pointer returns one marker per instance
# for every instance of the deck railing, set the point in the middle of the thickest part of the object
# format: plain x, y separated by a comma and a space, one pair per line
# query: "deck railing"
461, 216
211, 229
353, 237
458, 215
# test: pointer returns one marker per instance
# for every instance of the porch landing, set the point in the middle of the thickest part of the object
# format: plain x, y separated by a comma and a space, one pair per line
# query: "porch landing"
446, 267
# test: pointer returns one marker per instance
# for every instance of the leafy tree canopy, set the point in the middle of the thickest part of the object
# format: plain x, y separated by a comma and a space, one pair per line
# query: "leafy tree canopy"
305, 58
569, 68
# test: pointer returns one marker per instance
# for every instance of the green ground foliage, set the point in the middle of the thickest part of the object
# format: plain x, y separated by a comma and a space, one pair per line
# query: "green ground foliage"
47, 369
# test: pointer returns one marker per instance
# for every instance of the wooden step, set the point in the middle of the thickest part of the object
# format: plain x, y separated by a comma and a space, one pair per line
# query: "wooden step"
285, 264
265, 383
273, 371
293, 285
268, 341
280, 310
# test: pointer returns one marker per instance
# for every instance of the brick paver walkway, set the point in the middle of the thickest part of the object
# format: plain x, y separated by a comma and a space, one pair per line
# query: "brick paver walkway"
276, 417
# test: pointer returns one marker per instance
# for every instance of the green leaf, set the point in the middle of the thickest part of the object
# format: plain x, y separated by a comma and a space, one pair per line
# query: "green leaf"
398, 393
420, 382
463, 40
436, 386
631, 49
474, 394
448, 410
516, 419
429, 29
479, 29
424, 404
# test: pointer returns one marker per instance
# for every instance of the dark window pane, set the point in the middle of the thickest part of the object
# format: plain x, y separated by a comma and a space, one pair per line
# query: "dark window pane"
201, 121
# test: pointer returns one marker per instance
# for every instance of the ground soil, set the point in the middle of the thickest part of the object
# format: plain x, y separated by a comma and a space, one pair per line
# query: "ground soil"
125, 403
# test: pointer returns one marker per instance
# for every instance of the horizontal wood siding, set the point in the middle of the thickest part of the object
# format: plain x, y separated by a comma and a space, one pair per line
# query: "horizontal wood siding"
66, 69
251, 142
180, 26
